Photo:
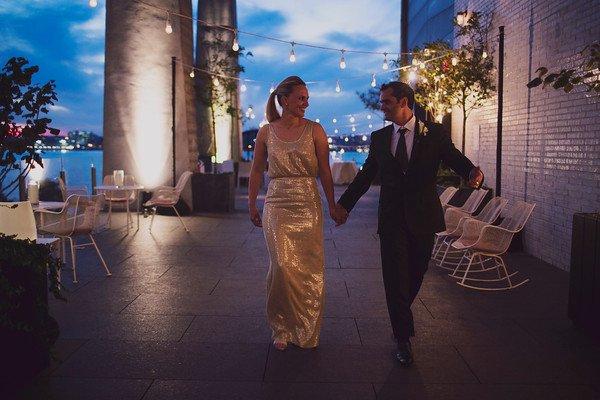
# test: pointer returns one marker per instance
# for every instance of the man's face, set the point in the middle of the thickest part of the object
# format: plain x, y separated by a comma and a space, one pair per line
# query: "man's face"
389, 104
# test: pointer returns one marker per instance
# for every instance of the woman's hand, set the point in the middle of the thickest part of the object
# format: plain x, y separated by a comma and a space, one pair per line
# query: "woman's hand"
255, 216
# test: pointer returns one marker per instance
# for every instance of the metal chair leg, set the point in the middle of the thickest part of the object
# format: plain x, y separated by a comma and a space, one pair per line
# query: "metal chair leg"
108, 273
180, 220
73, 259
152, 218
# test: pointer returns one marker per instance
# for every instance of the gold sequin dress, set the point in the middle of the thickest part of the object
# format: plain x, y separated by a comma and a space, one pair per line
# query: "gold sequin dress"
293, 229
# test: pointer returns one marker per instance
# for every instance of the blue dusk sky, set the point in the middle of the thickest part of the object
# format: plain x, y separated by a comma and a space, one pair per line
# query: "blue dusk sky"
66, 39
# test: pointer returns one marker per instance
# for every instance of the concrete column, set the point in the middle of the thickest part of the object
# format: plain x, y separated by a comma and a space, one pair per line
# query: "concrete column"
137, 91
227, 140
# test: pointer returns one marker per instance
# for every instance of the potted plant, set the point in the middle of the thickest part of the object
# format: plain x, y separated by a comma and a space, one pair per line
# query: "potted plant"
27, 272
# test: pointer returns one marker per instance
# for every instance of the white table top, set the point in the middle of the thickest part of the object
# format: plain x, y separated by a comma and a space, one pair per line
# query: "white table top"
114, 187
48, 205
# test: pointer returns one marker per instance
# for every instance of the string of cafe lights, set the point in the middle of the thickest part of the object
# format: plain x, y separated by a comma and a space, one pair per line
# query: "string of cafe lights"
292, 55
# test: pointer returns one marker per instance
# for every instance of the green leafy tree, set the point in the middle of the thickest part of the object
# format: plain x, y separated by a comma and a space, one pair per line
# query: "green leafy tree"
217, 91
472, 65
23, 109
586, 74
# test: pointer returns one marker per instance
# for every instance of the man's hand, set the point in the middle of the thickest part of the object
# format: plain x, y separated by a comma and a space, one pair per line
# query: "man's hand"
341, 215
476, 178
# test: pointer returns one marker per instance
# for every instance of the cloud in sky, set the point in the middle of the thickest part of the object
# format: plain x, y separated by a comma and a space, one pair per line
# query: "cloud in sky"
93, 28
11, 41
59, 109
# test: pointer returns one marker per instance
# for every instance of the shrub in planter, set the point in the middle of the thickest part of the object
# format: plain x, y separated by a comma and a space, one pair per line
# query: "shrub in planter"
27, 272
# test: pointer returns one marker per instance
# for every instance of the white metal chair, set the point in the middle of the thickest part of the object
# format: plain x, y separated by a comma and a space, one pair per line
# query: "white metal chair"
472, 202
455, 220
447, 194
487, 243
119, 197
77, 218
67, 191
168, 196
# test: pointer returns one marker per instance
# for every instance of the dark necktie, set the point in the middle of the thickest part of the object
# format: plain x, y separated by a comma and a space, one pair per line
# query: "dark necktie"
401, 152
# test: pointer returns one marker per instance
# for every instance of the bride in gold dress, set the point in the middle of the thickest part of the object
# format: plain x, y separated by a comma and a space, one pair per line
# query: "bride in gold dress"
297, 152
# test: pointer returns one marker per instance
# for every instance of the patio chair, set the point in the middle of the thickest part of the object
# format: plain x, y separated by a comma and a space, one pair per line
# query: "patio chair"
119, 197
455, 220
168, 196
67, 191
77, 218
472, 202
447, 194
488, 243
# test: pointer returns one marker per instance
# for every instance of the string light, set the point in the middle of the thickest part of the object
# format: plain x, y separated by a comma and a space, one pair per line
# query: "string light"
243, 87
415, 61
484, 54
317, 120
93, 3
353, 129
364, 138
368, 116
271, 89
338, 88
412, 75
342, 61
168, 27
454, 61
352, 119
336, 130
370, 126
192, 74
235, 46
216, 82
422, 65
373, 81
292, 54
385, 64
334, 121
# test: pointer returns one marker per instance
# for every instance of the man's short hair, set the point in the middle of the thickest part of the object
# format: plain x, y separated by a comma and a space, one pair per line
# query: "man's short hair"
400, 90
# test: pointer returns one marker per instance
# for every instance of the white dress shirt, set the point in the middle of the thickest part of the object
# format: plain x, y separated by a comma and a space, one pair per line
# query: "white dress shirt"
409, 136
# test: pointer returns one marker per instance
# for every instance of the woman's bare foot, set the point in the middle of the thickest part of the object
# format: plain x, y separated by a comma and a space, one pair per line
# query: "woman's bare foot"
279, 345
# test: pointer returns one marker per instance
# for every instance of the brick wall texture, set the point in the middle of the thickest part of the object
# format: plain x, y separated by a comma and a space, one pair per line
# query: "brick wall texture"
551, 139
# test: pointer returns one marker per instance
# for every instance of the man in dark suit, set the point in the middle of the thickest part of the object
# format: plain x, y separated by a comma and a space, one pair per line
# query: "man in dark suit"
407, 154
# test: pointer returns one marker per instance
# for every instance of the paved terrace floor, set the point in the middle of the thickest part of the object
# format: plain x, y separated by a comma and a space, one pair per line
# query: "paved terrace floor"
183, 317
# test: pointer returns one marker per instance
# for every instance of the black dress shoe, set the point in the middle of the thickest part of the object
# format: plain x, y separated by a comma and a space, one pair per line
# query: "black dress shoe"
404, 353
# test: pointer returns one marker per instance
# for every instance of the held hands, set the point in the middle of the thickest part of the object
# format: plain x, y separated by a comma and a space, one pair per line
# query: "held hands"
255, 216
476, 178
339, 214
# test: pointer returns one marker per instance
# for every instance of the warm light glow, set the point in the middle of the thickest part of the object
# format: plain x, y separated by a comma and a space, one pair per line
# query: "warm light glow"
342, 61
192, 74
243, 87
329, 140
412, 75
168, 27
338, 88
415, 61
93, 3
235, 46
454, 61
292, 54
385, 64
484, 54
216, 82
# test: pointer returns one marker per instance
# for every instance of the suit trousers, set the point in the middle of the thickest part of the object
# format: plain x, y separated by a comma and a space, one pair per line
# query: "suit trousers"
404, 260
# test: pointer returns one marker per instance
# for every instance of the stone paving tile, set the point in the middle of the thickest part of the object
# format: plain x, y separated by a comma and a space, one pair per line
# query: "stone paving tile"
225, 329
56, 388
166, 360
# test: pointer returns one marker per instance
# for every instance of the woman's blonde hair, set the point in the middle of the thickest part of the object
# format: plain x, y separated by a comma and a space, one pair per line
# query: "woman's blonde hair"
284, 88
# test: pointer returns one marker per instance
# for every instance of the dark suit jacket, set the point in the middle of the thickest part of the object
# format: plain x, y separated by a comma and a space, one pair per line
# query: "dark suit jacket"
408, 197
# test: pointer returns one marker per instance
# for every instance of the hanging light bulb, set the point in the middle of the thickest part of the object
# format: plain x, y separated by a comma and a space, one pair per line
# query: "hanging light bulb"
484, 54
346, 139
317, 120
243, 87
370, 126
422, 65
334, 120
415, 61
292, 54
192, 74
425, 80
271, 89
168, 27
368, 116
448, 110
338, 88
373, 81
385, 64
342, 61
216, 82
364, 138
252, 116
93, 3
235, 46
412, 75
352, 119
454, 61
336, 131
353, 129
329, 140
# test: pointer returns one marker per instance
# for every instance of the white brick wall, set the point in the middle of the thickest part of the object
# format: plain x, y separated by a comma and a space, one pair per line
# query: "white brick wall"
551, 139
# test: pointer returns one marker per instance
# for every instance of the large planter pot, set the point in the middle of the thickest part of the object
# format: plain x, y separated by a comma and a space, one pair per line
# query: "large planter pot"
584, 287
27, 330
213, 192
